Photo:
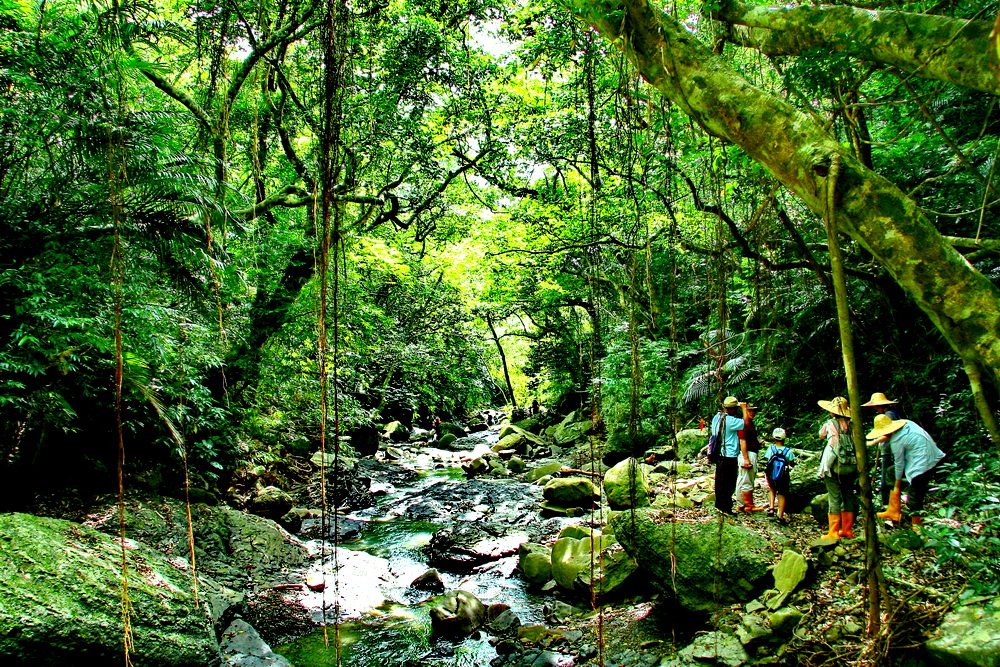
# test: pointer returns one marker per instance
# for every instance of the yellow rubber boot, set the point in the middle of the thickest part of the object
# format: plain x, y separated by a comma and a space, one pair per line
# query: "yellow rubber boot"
847, 524
895, 504
834, 532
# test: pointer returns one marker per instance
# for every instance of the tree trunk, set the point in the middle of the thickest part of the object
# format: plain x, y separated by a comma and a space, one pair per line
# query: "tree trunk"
946, 49
503, 360
873, 566
959, 300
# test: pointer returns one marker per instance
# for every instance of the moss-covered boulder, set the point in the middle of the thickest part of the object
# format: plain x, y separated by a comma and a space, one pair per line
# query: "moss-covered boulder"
535, 563
703, 565
230, 546
690, 441
444, 428
571, 492
60, 592
397, 432
626, 485
969, 635
271, 503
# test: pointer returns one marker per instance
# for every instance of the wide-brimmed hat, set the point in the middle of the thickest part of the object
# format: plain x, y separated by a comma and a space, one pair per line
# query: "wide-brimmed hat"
837, 406
731, 402
778, 434
878, 398
884, 425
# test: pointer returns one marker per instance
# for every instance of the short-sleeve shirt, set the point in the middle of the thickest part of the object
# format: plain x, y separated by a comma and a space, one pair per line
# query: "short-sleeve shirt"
913, 451
731, 442
749, 433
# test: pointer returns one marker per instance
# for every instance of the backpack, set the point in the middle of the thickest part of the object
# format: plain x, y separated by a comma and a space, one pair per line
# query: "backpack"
778, 465
846, 455
716, 442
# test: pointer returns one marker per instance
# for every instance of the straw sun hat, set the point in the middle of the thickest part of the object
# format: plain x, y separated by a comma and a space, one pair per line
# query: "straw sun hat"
878, 398
731, 402
837, 406
884, 425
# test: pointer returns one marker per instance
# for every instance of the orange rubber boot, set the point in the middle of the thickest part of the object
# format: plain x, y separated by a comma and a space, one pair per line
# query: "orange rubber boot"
847, 524
748, 505
895, 504
834, 532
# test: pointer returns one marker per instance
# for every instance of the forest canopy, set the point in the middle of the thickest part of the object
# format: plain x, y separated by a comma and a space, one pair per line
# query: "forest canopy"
507, 203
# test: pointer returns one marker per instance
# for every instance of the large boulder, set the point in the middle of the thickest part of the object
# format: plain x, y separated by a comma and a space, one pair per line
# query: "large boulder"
397, 432
690, 441
444, 428
621, 445
968, 637
60, 586
703, 565
230, 546
365, 439
271, 503
626, 485
571, 492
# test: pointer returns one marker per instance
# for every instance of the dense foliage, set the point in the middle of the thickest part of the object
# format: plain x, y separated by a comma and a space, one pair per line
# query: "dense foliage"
519, 216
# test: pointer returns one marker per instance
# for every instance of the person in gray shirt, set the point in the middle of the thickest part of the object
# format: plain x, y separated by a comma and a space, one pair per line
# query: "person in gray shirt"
916, 455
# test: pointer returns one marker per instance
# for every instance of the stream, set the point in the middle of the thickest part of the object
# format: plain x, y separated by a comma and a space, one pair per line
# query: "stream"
372, 614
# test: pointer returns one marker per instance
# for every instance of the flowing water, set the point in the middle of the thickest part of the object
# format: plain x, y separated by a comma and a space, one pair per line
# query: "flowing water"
384, 622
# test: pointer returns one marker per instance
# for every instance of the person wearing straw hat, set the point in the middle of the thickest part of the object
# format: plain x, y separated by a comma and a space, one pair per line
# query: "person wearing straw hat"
916, 456
883, 405
728, 425
749, 452
838, 468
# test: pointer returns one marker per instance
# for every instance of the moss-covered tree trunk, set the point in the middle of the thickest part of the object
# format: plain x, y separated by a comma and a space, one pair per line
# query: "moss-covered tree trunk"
960, 301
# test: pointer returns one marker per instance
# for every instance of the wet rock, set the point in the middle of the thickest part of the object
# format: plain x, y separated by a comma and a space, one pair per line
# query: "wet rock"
571, 492
450, 428
458, 614
570, 555
514, 441
558, 612
447, 441
627, 485
59, 590
271, 503
539, 658
340, 529
429, 581
241, 646
506, 623
535, 563
464, 548
345, 483
969, 635
711, 563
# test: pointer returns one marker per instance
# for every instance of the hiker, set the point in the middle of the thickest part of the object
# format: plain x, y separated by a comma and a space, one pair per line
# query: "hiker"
838, 468
780, 460
916, 456
749, 450
885, 464
728, 425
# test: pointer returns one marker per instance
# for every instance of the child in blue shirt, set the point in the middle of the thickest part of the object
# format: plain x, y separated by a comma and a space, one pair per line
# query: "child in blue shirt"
780, 459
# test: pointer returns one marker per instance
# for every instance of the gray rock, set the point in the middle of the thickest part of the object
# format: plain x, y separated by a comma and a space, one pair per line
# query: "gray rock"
969, 636
241, 646
543, 470
690, 442
457, 614
429, 581
271, 503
